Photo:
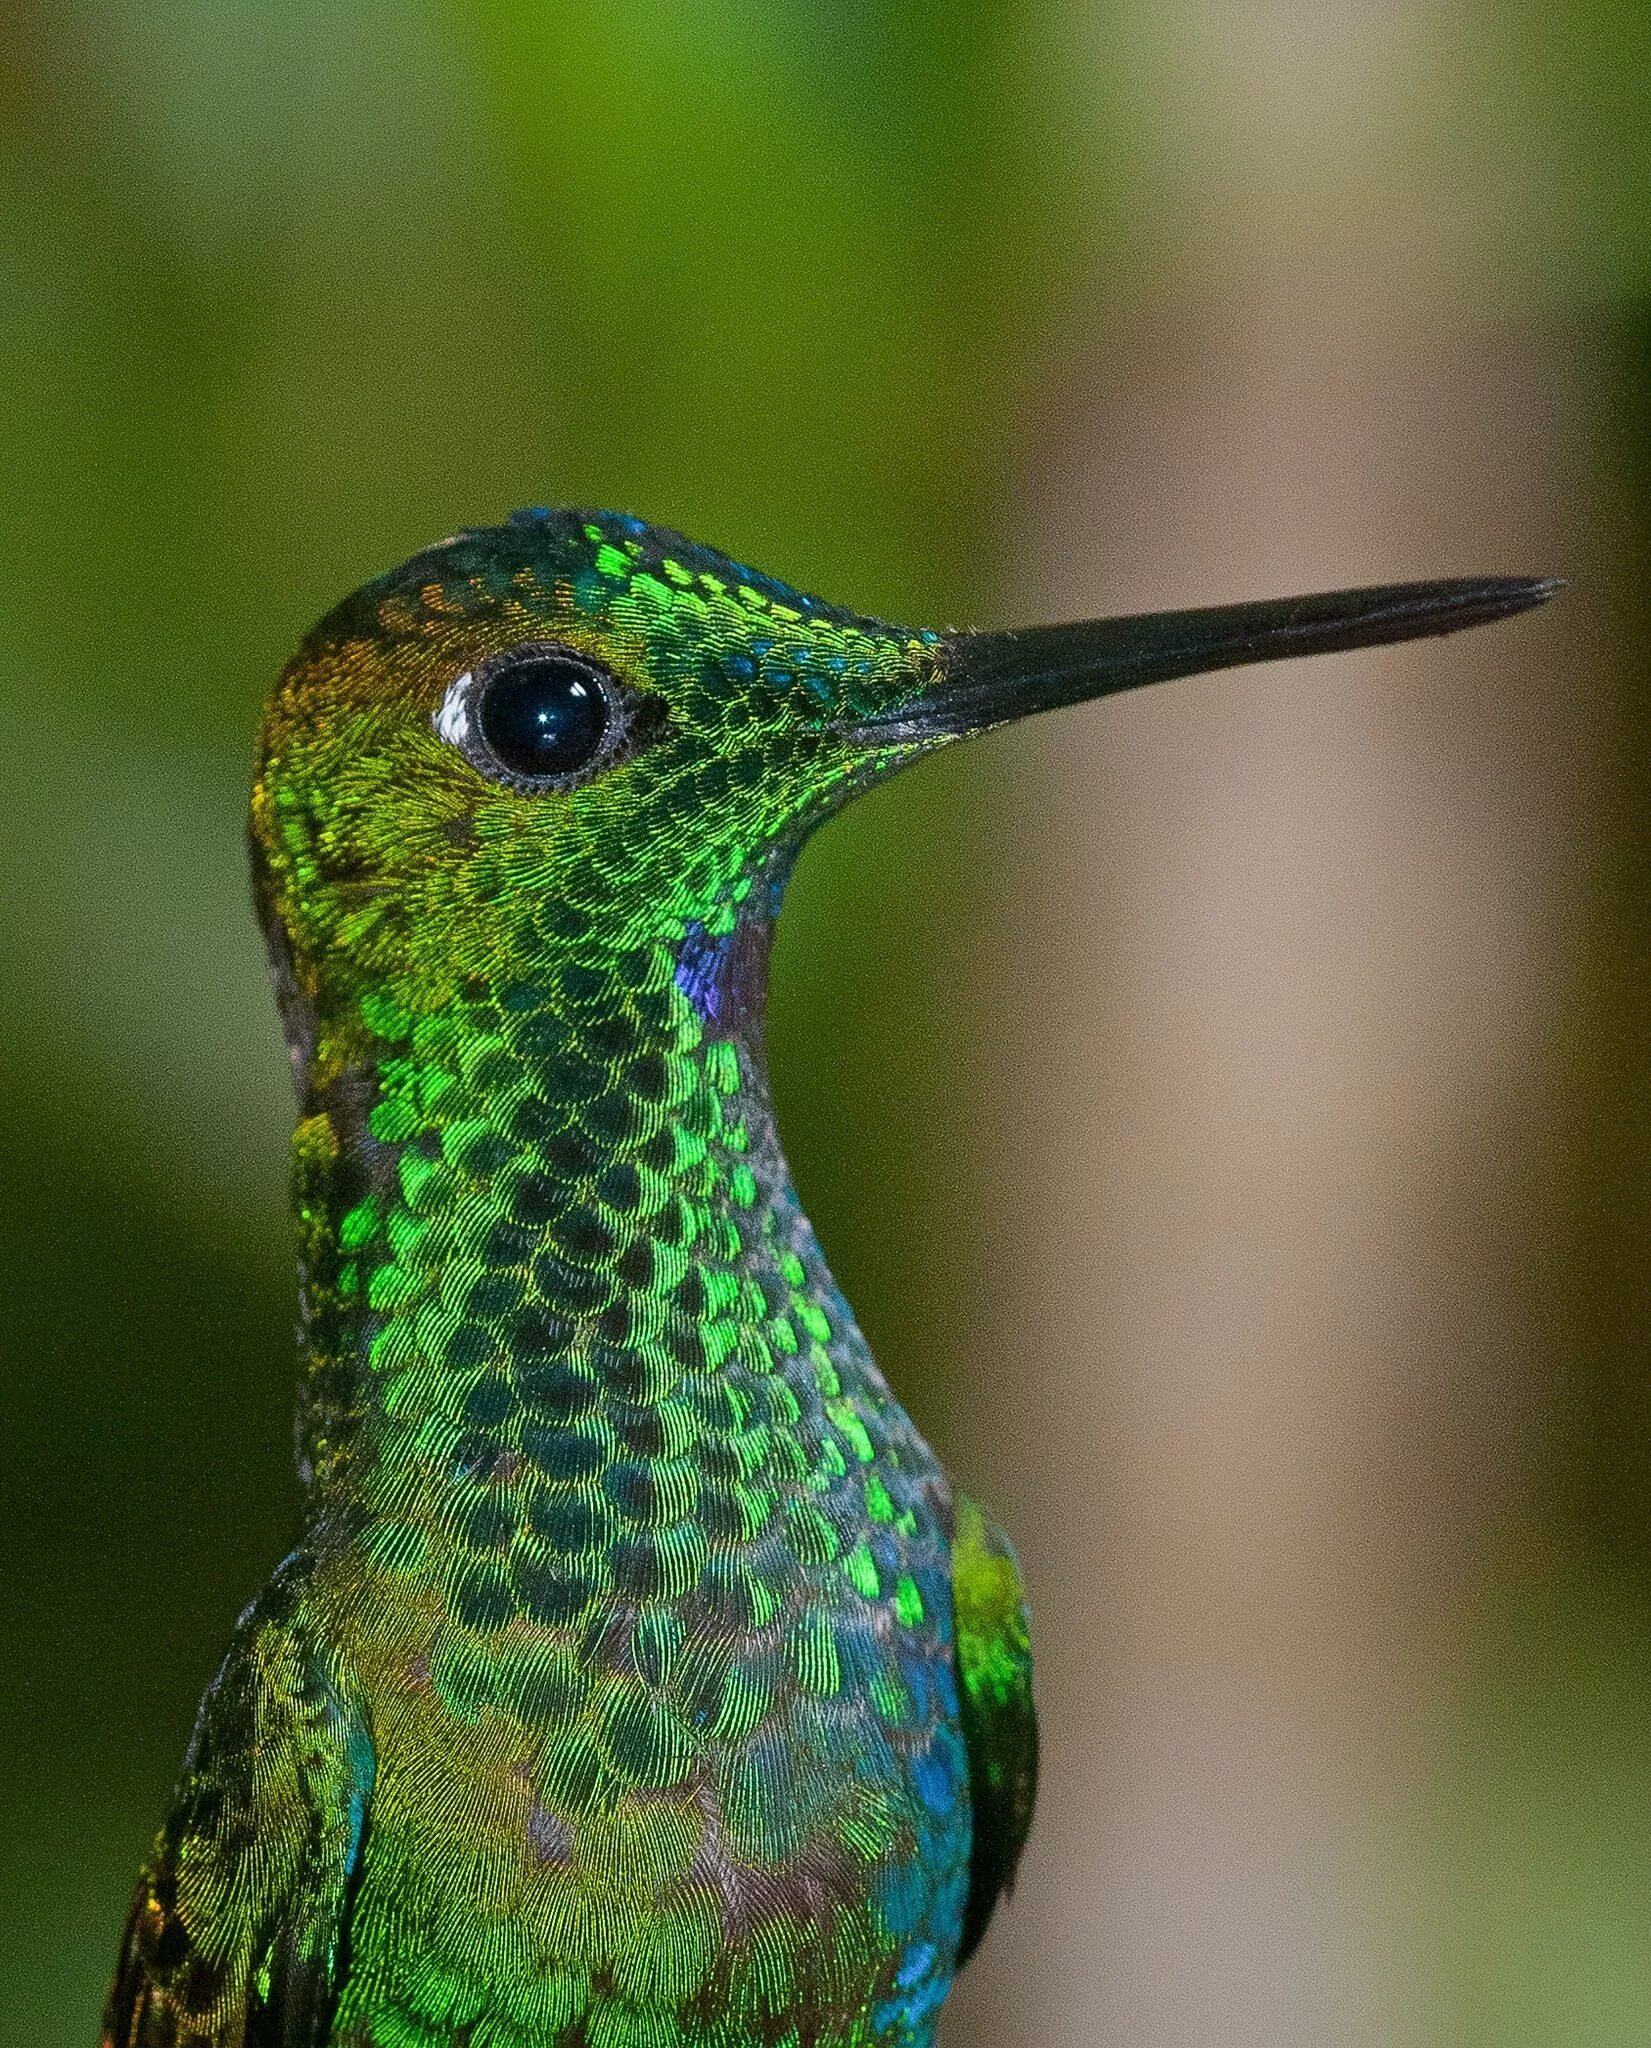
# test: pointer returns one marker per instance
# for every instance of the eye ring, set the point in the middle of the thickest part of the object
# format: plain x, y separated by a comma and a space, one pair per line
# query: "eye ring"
539, 717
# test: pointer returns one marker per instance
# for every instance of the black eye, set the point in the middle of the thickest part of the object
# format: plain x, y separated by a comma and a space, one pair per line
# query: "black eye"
542, 714
534, 717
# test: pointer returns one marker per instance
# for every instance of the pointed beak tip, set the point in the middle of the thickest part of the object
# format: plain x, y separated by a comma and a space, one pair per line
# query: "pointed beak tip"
1502, 597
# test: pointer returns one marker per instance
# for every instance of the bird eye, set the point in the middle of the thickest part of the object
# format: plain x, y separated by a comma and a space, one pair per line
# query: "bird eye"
536, 718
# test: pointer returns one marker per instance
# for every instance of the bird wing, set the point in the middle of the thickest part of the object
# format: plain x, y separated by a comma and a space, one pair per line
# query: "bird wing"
237, 1933
1000, 1728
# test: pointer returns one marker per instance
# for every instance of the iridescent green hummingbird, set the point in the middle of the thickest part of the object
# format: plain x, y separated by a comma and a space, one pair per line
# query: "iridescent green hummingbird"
639, 1680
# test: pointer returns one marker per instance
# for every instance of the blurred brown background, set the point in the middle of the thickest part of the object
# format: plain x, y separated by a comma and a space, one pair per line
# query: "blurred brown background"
1228, 1108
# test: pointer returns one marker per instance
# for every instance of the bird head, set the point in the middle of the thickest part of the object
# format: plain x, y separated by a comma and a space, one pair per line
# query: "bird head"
582, 751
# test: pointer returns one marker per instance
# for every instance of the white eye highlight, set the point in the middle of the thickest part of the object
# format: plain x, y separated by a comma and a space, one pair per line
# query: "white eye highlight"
452, 718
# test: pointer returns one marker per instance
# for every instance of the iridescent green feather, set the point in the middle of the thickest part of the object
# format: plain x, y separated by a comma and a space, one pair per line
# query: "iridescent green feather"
632, 1571
637, 1681
238, 1930
1000, 1728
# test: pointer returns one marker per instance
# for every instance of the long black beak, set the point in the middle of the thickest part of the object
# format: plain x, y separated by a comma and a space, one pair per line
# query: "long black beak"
985, 679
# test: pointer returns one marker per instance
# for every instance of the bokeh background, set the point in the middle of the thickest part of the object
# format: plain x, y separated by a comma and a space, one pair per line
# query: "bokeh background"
1229, 1108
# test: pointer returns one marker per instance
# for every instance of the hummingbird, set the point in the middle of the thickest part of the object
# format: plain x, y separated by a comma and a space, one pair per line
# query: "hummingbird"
639, 1680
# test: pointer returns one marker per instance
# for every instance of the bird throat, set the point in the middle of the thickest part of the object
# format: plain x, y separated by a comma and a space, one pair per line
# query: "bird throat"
549, 1232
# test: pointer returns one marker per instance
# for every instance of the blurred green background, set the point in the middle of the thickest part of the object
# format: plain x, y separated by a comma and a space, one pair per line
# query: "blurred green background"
1230, 1114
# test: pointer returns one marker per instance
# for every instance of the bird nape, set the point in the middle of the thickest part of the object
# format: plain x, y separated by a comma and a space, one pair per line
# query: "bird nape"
639, 1680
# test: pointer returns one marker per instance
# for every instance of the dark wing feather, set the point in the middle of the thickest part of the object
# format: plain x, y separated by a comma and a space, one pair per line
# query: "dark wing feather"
1000, 1729
236, 1937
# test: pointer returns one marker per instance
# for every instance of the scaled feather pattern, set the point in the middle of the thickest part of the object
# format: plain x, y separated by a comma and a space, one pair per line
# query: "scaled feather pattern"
639, 1681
